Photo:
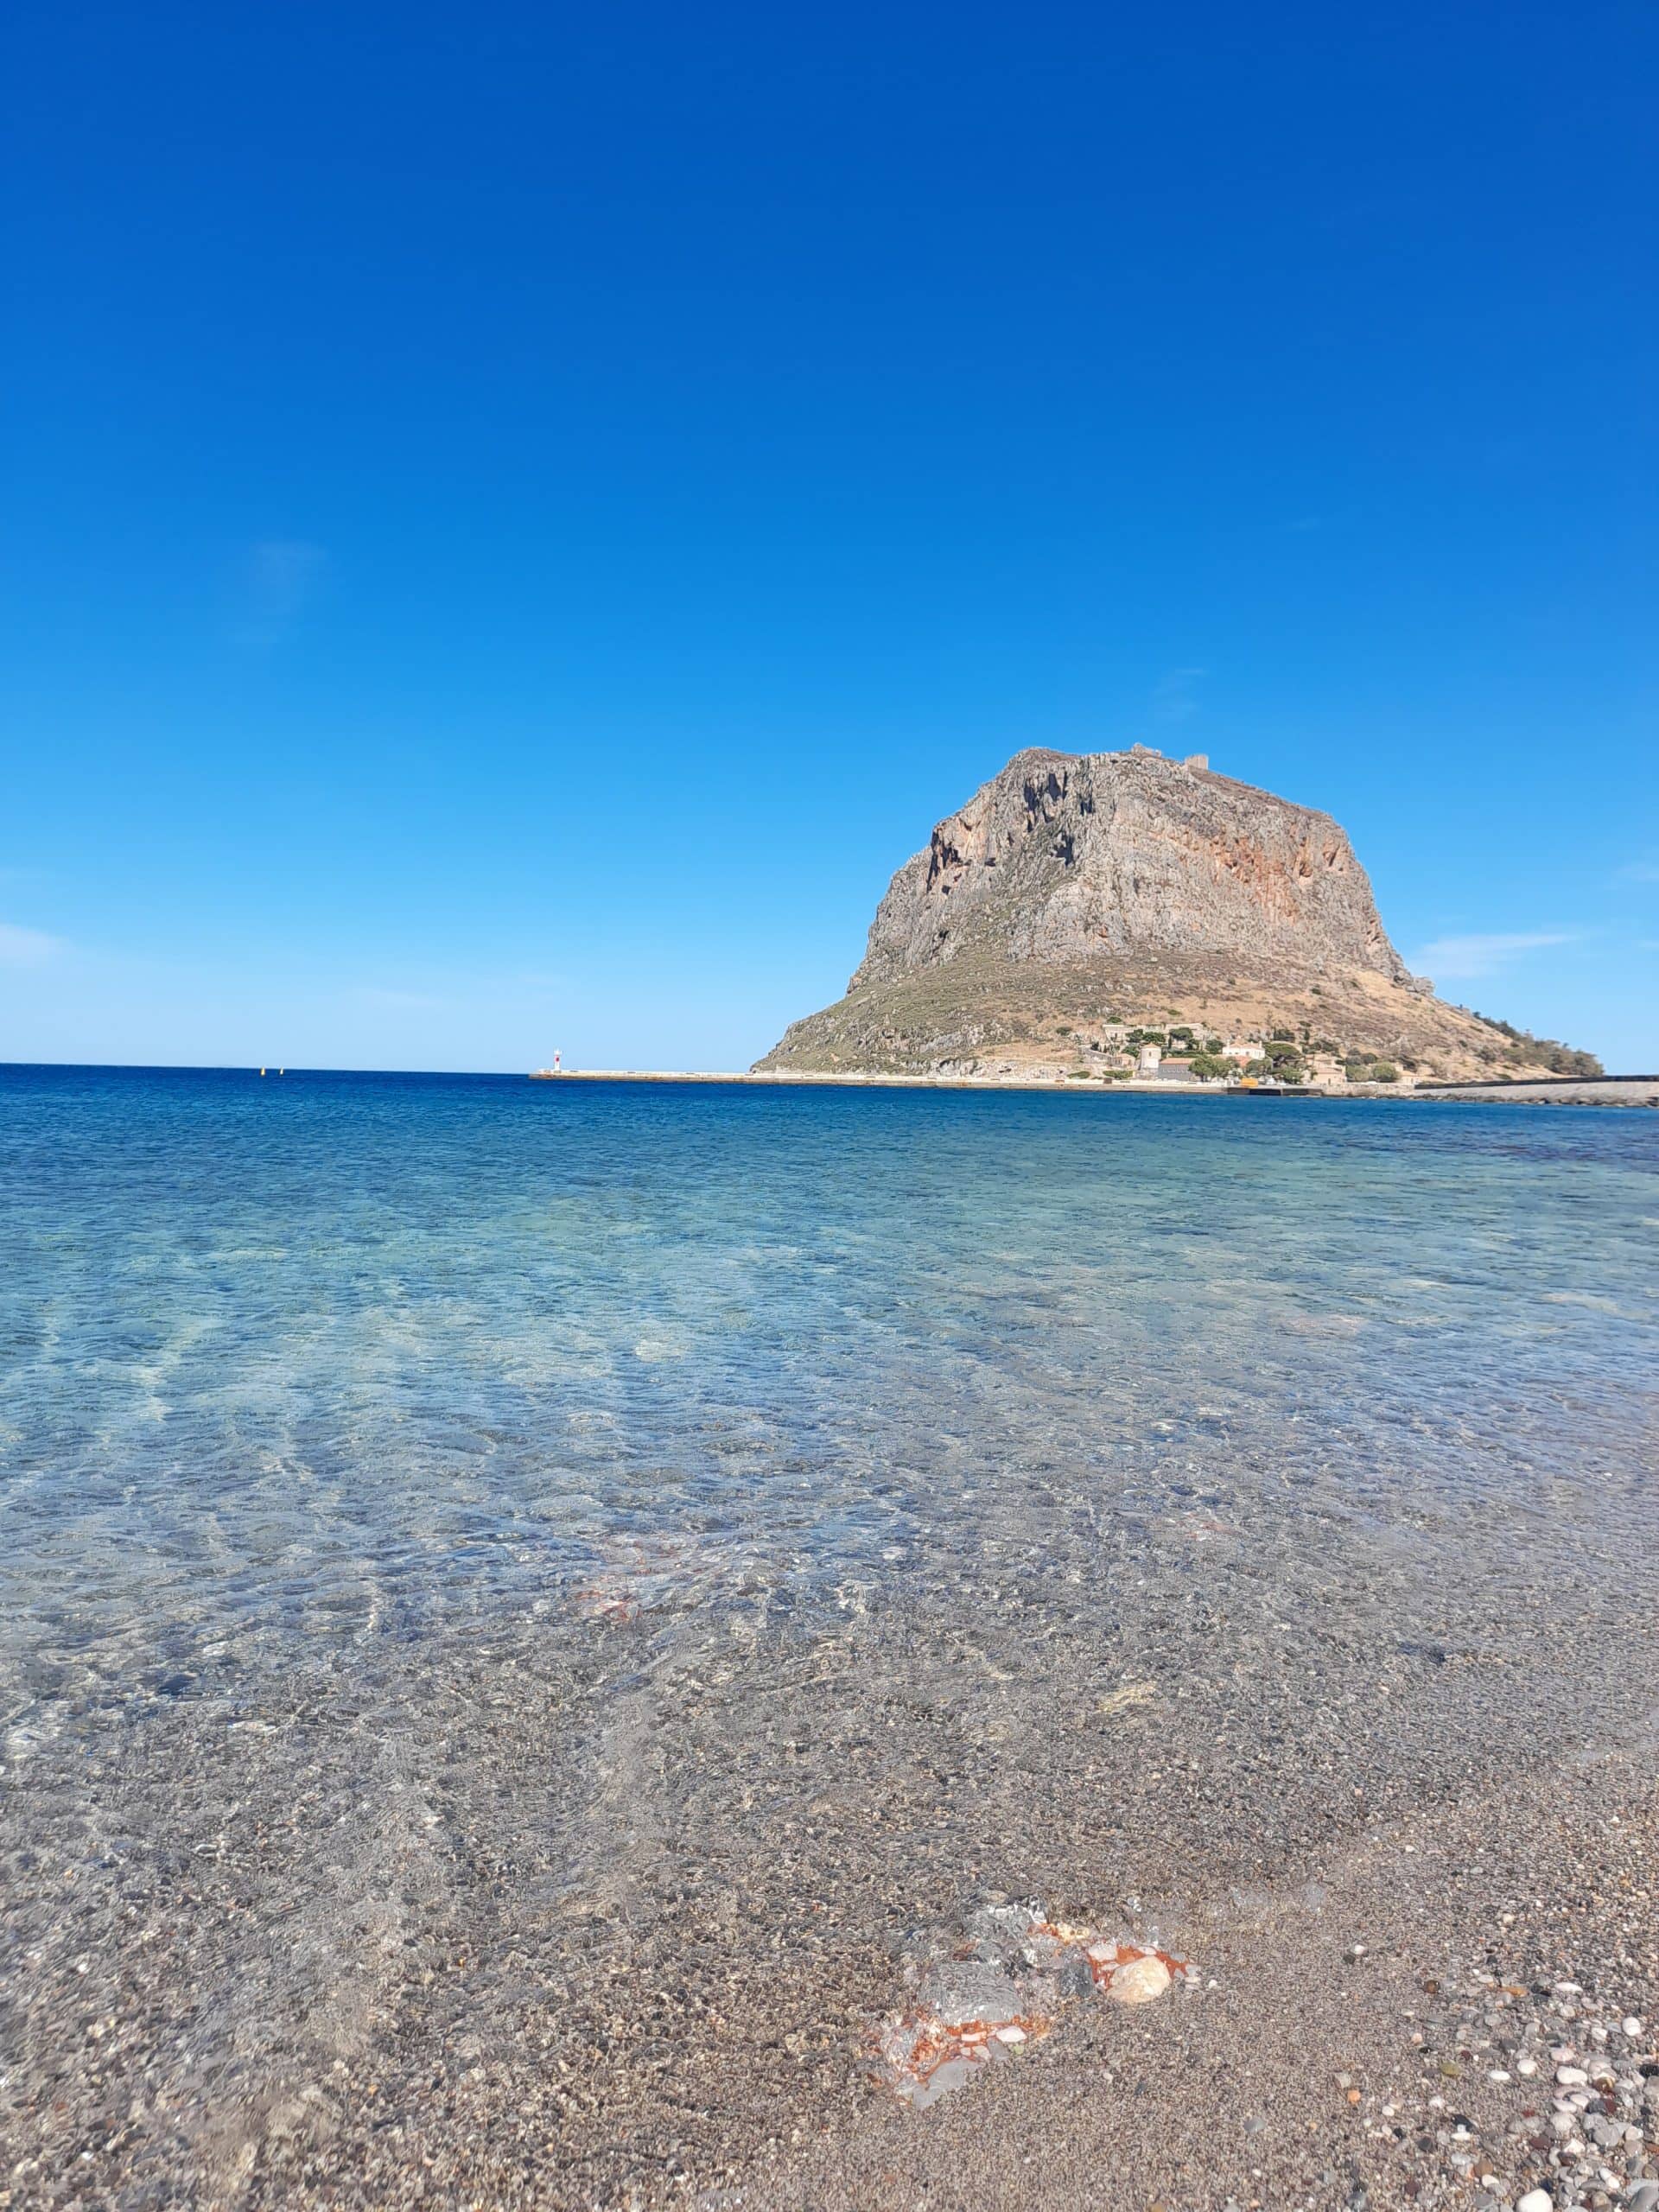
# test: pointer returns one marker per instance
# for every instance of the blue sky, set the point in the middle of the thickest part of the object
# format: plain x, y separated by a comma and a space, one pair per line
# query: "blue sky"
518, 519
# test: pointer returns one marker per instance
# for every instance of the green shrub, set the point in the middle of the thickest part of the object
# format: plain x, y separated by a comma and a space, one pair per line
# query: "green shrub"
1526, 1050
1384, 1071
1207, 1066
1562, 1060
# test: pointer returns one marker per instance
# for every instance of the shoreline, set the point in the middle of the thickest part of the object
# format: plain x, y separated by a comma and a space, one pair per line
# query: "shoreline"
1565, 1090
1399, 2024
1375, 2021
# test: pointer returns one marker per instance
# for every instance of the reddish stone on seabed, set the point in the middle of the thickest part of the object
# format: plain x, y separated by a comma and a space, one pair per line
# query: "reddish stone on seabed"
973, 2009
925, 2057
1124, 1970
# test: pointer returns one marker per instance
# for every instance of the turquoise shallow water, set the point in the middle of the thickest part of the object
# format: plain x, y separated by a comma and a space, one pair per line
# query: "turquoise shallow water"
517, 1583
330, 1356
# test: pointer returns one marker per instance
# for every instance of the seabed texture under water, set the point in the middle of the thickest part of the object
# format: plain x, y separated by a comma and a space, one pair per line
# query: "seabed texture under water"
551, 1634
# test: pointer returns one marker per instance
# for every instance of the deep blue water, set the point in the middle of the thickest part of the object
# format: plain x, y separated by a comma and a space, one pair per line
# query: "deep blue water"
336, 1355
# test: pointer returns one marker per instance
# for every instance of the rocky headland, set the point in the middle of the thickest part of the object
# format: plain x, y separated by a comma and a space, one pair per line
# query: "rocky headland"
1080, 902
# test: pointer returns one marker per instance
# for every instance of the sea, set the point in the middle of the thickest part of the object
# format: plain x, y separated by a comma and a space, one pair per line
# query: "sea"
485, 1557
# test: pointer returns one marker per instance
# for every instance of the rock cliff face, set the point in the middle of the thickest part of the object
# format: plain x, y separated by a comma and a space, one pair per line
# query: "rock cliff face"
1064, 857
1076, 892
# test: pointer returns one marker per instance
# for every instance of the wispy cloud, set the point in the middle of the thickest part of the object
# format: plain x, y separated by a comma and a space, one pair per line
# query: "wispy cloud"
1484, 955
1641, 872
1175, 696
22, 948
282, 574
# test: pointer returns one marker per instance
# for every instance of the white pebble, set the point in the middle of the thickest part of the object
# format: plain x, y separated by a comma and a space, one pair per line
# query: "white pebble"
1535, 2200
1497, 2075
1631, 2027
1527, 2066
1571, 2077
1142, 1979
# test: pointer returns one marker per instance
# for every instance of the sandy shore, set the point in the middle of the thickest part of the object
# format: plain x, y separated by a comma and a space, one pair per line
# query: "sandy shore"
626, 1936
1387, 2032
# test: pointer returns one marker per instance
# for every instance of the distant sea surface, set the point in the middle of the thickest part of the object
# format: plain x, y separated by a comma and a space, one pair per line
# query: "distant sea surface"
590, 1502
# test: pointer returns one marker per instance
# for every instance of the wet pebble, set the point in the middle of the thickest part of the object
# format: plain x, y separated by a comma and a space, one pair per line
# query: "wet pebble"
1141, 1982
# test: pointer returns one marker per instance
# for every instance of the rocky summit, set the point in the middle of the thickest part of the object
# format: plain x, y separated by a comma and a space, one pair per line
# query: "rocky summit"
1079, 901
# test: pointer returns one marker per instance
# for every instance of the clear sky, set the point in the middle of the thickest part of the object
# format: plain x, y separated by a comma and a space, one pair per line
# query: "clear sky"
518, 517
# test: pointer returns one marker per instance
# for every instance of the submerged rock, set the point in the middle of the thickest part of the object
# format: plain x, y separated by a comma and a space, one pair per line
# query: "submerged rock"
1006, 1987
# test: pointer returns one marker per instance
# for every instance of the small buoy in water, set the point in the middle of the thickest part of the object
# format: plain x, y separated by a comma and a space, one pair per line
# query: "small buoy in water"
262, 1070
